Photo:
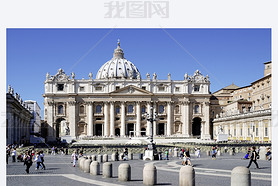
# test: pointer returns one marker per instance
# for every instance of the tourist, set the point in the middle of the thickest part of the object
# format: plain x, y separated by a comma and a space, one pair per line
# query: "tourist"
268, 154
187, 156
7, 154
233, 151
198, 152
213, 156
74, 158
13, 154
27, 161
225, 149
42, 160
166, 155
117, 155
253, 158
38, 160
67, 151
170, 151
62, 151
53, 150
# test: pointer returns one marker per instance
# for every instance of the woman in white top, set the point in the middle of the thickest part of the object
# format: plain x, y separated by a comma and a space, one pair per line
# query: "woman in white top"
38, 160
14, 154
74, 158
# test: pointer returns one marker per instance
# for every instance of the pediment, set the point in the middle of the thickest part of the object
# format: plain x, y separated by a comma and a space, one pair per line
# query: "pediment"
131, 90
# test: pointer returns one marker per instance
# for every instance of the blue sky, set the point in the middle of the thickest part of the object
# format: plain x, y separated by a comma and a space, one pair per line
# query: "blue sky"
226, 55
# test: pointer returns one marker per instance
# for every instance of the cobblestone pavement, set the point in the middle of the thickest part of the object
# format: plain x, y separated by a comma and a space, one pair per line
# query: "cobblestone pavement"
59, 171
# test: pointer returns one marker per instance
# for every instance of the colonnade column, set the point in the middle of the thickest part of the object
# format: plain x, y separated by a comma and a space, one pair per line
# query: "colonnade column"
205, 131
261, 130
154, 122
122, 119
185, 116
112, 119
90, 119
148, 132
106, 119
72, 121
50, 122
169, 118
138, 119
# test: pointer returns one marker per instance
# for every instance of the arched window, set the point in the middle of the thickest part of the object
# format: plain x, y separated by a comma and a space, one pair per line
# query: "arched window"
161, 109
82, 109
98, 108
130, 109
177, 109
143, 109
117, 110
196, 109
60, 109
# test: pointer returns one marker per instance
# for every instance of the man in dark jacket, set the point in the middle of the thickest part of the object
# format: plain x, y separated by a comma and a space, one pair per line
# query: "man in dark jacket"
253, 158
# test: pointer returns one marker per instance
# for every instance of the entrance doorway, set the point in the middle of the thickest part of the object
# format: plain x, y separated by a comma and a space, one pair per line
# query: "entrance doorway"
143, 131
98, 129
161, 129
58, 127
130, 129
117, 132
196, 127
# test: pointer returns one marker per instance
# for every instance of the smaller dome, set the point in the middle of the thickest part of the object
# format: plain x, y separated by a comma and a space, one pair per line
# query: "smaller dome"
118, 67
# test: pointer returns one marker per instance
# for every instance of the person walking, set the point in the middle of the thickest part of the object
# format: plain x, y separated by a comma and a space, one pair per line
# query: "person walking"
53, 150
198, 152
42, 160
7, 155
187, 156
166, 155
13, 154
38, 160
74, 158
253, 158
27, 161
213, 156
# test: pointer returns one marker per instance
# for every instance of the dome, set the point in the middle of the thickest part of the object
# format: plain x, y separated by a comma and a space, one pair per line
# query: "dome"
118, 67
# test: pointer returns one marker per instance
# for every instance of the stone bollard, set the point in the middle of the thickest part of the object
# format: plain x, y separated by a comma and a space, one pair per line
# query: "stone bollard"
94, 158
175, 153
105, 158
81, 163
130, 156
95, 168
121, 156
86, 165
218, 153
124, 172
107, 170
99, 158
187, 176
149, 174
241, 176
113, 157
262, 153
208, 153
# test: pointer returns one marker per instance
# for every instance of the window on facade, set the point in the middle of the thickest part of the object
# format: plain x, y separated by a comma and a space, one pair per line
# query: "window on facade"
117, 110
117, 87
265, 131
240, 132
234, 132
98, 88
98, 118
229, 132
257, 132
60, 109
177, 109
130, 109
144, 88
196, 88
98, 108
248, 131
196, 109
82, 89
177, 89
60, 87
117, 118
160, 89
82, 109
161, 109
143, 109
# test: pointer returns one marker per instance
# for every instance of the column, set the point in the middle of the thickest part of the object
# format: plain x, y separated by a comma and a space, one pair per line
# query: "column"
72, 121
148, 132
106, 119
112, 119
154, 122
138, 119
169, 118
50, 122
90, 120
185, 117
205, 131
122, 119
261, 130
269, 130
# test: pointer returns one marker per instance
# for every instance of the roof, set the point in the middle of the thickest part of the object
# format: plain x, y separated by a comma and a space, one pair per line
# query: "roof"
267, 62
232, 86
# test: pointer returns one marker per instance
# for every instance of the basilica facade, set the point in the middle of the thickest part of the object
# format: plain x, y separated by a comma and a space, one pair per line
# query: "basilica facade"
113, 104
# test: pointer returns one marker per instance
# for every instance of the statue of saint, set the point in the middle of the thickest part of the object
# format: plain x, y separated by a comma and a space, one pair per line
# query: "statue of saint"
90, 75
73, 75
47, 76
148, 76
185, 76
67, 130
154, 76
169, 76
138, 75
9, 89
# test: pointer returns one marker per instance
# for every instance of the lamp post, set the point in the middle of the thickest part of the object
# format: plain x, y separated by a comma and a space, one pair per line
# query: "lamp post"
151, 117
